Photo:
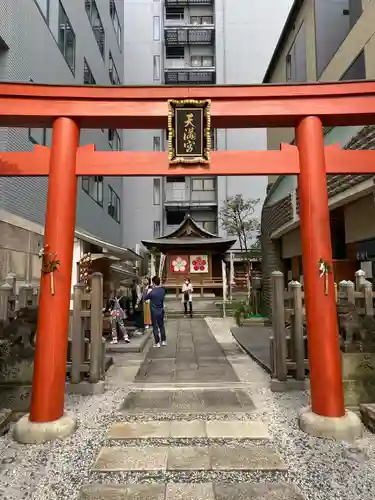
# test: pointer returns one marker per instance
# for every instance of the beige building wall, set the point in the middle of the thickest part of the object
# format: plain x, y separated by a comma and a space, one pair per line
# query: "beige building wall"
291, 244
360, 219
361, 37
276, 136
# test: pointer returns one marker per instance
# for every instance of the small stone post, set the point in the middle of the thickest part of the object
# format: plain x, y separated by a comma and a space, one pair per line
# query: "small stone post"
96, 340
360, 277
6, 291
278, 323
25, 295
297, 329
78, 335
367, 293
349, 289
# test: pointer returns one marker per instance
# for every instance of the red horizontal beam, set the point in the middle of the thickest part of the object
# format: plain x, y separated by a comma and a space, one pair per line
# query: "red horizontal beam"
32, 163
339, 161
25, 105
132, 164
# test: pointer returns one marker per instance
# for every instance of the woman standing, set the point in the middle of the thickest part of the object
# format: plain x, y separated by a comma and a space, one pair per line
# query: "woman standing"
117, 315
187, 297
146, 308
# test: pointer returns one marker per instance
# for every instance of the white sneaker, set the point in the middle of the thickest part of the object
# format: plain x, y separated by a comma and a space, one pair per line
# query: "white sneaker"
157, 345
164, 343
126, 339
114, 341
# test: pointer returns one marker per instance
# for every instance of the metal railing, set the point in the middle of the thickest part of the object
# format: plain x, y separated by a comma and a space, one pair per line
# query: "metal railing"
182, 3
175, 37
187, 77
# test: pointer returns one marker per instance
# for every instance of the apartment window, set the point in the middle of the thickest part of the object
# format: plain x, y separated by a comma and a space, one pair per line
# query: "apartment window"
44, 8
201, 20
156, 191
157, 143
210, 226
202, 61
114, 205
156, 228
333, 22
88, 77
113, 74
38, 136
114, 140
174, 52
116, 21
175, 218
67, 39
296, 65
357, 71
174, 13
93, 186
96, 24
204, 185
156, 28
156, 67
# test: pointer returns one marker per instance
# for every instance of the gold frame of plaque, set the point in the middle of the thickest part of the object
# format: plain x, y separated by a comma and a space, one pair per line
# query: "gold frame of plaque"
189, 131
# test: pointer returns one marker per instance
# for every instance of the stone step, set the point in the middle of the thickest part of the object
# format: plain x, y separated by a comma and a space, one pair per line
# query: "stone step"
182, 429
136, 344
146, 459
191, 491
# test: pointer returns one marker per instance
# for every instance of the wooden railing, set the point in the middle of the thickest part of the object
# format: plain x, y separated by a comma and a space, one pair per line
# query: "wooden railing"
206, 283
87, 354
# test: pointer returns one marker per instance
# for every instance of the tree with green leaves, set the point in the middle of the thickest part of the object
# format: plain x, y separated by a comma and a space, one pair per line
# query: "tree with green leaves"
237, 217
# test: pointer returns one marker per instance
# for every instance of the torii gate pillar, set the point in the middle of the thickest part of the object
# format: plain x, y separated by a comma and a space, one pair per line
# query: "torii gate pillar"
327, 414
47, 420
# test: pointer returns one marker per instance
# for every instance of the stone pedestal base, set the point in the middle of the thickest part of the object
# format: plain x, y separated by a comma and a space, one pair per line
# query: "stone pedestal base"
27, 432
346, 428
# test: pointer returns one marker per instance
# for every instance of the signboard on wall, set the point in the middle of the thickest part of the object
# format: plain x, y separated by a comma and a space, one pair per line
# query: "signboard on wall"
179, 264
198, 264
189, 131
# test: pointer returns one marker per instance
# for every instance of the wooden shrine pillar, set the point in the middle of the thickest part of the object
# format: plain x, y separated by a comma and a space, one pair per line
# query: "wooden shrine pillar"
323, 342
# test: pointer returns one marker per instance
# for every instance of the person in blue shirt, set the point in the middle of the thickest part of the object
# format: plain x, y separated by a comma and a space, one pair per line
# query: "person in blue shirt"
156, 297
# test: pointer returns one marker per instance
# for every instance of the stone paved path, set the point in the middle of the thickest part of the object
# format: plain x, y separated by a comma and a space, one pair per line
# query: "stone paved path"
187, 429
213, 450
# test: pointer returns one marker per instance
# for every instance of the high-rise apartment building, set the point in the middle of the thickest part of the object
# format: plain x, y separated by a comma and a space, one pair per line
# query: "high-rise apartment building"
58, 42
193, 42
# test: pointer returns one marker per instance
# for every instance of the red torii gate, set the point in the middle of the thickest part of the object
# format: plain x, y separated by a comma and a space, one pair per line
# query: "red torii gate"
68, 109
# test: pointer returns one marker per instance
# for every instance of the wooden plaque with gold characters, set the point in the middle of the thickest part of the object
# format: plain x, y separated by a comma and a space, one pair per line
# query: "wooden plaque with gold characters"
189, 131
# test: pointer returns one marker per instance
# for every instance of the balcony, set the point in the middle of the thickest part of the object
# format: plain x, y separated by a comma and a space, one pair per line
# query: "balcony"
176, 37
190, 77
183, 198
186, 3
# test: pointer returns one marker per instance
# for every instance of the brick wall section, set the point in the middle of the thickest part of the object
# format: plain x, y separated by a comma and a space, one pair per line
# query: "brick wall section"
273, 217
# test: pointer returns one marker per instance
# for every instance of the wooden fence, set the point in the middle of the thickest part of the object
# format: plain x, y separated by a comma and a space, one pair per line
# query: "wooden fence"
288, 345
87, 345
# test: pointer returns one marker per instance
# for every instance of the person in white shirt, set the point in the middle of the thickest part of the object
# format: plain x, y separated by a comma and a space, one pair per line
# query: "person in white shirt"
187, 297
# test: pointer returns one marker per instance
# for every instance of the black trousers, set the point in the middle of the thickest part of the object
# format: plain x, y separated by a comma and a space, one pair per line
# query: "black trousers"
157, 317
190, 307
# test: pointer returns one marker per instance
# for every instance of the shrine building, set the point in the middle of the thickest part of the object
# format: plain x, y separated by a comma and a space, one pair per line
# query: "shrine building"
192, 252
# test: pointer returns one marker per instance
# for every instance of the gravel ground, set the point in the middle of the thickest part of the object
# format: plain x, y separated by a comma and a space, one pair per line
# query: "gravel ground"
321, 469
